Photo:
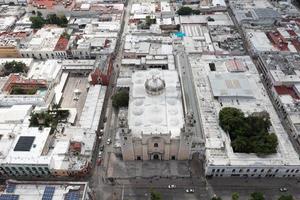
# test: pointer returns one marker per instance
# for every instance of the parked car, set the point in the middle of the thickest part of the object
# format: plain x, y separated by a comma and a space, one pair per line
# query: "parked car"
190, 190
101, 148
99, 161
108, 141
100, 154
101, 132
172, 186
283, 189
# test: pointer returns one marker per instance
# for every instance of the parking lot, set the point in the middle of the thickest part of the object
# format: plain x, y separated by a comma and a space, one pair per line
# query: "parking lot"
80, 84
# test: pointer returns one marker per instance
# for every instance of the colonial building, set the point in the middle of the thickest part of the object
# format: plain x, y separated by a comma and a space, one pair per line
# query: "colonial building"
154, 126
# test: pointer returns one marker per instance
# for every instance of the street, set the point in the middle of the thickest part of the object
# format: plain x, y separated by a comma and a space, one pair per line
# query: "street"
139, 188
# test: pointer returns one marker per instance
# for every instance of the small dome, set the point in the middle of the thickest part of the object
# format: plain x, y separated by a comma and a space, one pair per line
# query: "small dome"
155, 85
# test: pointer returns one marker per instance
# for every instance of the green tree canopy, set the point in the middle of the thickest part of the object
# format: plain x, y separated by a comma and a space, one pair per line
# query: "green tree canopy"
14, 67
155, 195
120, 99
286, 197
184, 10
38, 21
235, 196
257, 196
150, 20
248, 134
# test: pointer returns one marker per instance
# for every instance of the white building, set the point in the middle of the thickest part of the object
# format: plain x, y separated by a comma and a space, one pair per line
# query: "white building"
32, 151
46, 190
45, 43
234, 82
154, 128
281, 74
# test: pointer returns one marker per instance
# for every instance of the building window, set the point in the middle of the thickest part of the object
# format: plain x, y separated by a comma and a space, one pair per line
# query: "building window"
223, 170
125, 138
248, 170
173, 157
213, 170
240, 170
255, 170
218, 170
262, 170
297, 171
292, 170
155, 144
287, 171
233, 170
276, 170
138, 157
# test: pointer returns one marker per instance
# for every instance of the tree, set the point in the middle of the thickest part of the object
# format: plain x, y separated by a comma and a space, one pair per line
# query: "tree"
14, 67
37, 22
155, 195
120, 99
257, 196
66, 35
63, 21
39, 13
53, 19
184, 10
248, 134
235, 196
150, 20
286, 197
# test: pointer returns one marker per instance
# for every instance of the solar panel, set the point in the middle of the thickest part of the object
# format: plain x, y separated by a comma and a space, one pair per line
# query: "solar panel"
48, 193
73, 195
10, 188
9, 197
24, 143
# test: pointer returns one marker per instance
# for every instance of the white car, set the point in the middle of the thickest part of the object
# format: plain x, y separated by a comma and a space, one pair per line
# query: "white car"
283, 189
108, 141
100, 154
172, 186
190, 190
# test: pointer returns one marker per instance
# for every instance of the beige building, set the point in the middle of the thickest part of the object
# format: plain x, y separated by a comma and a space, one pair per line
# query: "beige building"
154, 126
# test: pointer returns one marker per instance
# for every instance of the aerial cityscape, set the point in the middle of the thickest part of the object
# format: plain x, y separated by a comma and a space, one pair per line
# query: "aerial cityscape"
149, 100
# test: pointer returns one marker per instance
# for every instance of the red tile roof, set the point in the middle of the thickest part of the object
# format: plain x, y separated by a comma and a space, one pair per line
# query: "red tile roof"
283, 90
61, 44
278, 40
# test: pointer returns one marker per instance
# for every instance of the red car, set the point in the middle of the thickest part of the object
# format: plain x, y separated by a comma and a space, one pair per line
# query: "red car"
99, 162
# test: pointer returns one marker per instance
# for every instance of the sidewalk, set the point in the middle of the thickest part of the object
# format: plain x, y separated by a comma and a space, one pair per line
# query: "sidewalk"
146, 169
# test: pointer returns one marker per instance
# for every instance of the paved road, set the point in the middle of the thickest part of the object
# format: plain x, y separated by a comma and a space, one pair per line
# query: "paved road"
98, 182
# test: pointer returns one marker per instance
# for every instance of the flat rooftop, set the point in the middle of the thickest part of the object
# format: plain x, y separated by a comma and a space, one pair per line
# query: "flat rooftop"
218, 147
45, 190
45, 39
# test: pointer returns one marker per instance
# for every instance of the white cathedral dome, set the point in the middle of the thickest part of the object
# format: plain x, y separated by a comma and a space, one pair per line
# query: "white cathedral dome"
155, 85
